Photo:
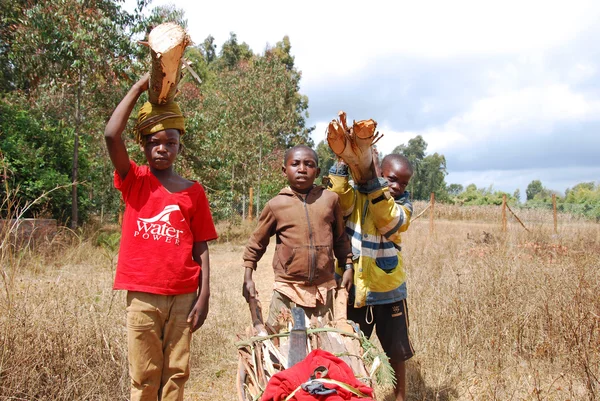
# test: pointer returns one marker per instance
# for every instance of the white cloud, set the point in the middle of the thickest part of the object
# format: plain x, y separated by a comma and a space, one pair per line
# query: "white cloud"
533, 108
581, 72
341, 38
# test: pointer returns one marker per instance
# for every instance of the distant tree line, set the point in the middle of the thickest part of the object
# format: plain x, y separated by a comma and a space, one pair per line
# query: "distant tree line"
583, 199
429, 176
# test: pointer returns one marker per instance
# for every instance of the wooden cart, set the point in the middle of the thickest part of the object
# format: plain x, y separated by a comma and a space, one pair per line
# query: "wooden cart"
262, 354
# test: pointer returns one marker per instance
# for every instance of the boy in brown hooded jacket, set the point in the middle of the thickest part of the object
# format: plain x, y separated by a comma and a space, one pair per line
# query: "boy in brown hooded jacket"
309, 228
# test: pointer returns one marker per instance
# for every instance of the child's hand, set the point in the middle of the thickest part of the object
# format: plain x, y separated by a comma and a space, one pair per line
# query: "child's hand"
198, 313
249, 289
144, 82
348, 279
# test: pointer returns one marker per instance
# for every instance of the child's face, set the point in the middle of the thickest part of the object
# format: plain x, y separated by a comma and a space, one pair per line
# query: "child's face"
161, 148
397, 176
301, 169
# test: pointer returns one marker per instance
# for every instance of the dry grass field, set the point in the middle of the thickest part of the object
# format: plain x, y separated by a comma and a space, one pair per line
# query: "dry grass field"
494, 316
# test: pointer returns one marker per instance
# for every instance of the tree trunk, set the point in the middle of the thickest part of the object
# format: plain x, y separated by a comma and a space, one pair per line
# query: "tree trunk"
259, 176
75, 171
167, 43
232, 193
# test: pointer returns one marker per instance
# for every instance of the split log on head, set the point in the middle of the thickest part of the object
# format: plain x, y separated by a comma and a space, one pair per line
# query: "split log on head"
167, 43
353, 145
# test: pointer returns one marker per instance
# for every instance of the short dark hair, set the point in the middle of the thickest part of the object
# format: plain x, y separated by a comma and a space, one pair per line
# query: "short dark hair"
288, 152
397, 159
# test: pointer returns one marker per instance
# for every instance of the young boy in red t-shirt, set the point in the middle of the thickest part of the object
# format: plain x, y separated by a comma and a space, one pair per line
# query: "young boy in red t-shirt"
163, 258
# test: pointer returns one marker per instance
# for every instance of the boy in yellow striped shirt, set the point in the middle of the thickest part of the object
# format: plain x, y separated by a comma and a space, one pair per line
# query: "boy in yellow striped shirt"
376, 213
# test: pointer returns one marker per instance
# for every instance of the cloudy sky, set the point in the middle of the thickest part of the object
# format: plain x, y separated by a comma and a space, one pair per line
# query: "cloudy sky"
508, 91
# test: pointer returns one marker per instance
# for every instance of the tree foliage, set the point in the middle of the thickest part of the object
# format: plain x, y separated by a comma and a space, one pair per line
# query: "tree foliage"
10, 14
482, 196
534, 188
454, 189
66, 59
583, 199
70, 62
249, 114
326, 157
233, 53
31, 162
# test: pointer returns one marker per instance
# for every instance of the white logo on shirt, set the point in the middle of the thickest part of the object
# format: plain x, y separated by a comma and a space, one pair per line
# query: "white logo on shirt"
159, 227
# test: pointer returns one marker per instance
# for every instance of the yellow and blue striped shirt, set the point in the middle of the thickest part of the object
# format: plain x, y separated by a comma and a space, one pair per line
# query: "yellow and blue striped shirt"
374, 221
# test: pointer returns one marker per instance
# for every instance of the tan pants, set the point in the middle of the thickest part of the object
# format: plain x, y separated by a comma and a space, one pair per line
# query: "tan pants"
158, 342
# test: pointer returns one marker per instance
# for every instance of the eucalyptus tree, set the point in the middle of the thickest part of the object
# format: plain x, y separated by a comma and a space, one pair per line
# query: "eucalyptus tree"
251, 111
71, 57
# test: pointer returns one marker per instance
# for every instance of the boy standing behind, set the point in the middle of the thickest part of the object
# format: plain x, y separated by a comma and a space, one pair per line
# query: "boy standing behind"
309, 228
163, 257
377, 212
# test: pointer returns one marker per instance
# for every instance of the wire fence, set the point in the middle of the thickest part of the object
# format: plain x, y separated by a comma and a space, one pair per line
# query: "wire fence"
247, 208
525, 217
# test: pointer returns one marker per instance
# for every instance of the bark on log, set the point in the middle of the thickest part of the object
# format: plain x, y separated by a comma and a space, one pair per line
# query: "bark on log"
167, 43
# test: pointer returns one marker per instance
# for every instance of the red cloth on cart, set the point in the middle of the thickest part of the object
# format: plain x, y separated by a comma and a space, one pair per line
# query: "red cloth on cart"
285, 382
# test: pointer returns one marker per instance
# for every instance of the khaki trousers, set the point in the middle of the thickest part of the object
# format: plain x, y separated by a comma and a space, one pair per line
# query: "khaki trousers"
158, 342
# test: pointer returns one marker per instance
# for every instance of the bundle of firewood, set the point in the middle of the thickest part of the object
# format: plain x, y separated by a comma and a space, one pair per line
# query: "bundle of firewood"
262, 355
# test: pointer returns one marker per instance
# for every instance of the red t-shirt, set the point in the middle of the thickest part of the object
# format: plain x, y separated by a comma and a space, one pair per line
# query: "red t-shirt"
159, 230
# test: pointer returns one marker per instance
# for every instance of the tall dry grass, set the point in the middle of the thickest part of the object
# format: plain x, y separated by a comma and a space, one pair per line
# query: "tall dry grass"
494, 316
505, 315
61, 325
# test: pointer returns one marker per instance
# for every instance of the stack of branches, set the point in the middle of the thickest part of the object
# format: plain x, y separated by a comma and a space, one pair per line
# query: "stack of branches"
263, 355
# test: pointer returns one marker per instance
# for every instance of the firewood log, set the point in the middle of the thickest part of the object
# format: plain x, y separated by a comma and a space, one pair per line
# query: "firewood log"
353, 145
167, 43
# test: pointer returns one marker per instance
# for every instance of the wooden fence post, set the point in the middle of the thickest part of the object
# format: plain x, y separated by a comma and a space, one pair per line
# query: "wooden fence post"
432, 202
554, 213
250, 200
504, 213
243, 207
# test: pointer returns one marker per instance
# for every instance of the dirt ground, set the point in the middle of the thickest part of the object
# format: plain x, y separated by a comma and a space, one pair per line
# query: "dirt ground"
214, 354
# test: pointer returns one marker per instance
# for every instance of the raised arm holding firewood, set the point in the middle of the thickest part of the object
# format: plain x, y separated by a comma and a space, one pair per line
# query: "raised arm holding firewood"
377, 209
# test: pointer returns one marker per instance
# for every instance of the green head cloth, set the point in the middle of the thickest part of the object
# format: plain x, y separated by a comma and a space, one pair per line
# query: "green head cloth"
154, 118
